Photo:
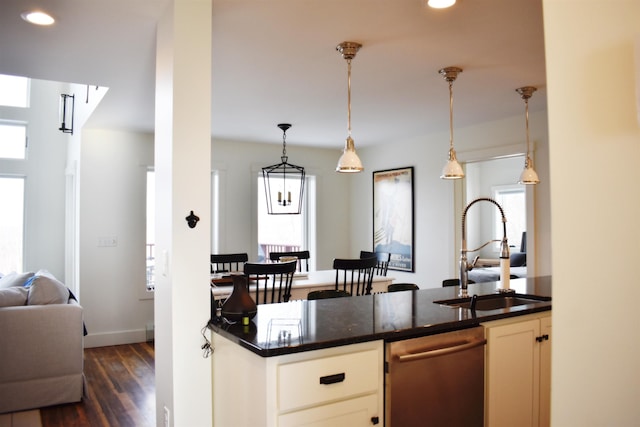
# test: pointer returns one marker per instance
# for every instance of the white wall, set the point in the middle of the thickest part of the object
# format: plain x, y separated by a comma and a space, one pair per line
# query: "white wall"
113, 205
87, 98
435, 224
594, 131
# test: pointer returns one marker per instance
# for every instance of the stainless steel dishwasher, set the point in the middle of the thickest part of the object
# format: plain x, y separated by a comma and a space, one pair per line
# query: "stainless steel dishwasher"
437, 380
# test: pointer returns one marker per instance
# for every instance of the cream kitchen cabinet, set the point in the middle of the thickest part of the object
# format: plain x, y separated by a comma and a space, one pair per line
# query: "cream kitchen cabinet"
334, 386
518, 371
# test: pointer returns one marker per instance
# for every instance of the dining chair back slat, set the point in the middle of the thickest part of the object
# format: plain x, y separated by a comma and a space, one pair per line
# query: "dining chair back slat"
302, 256
382, 264
273, 281
224, 263
354, 275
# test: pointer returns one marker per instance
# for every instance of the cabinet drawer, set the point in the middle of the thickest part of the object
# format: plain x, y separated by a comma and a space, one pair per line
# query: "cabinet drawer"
356, 412
313, 382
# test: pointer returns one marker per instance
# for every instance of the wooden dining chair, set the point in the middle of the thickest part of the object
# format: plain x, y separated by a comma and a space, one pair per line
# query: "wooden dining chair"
382, 264
272, 280
327, 293
397, 287
303, 258
354, 275
455, 282
223, 263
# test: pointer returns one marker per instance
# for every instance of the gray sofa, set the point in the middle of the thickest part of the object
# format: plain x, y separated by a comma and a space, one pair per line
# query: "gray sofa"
41, 344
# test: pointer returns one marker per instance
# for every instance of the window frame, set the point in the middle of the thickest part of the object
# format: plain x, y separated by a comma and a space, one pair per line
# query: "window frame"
24, 142
19, 267
308, 213
27, 91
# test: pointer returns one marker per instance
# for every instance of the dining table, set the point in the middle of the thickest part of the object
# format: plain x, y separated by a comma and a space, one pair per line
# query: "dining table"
303, 283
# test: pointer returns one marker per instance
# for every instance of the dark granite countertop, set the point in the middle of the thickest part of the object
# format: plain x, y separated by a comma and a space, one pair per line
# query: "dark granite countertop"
310, 325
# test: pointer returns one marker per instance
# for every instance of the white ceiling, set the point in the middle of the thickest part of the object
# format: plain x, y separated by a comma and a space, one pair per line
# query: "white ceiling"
275, 61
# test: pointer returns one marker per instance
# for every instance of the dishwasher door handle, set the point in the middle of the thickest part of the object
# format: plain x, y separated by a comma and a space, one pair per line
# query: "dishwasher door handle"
459, 346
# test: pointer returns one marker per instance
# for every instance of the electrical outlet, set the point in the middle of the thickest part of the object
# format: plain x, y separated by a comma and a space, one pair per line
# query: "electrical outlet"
166, 417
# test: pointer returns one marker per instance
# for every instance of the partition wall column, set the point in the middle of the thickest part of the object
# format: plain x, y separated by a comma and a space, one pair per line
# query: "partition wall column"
183, 181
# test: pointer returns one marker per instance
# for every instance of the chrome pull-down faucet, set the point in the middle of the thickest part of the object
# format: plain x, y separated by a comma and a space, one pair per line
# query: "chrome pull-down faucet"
464, 264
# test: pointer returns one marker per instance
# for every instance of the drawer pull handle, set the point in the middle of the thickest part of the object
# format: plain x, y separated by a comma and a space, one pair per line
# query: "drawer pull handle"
332, 379
541, 338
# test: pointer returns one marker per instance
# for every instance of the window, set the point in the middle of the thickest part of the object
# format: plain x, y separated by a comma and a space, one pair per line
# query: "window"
215, 211
512, 198
11, 224
13, 140
151, 226
14, 91
286, 232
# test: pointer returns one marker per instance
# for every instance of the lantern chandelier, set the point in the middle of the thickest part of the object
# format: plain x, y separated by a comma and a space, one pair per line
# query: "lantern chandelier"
349, 161
284, 183
452, 170
529, 175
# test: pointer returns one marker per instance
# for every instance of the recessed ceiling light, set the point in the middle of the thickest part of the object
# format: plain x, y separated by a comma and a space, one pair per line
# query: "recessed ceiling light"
440, 4
37, 18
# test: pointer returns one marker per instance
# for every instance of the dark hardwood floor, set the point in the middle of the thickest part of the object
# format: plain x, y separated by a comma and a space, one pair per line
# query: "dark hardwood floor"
119, 390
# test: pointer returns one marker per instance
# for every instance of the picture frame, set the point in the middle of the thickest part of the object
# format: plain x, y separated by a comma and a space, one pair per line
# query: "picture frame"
393, 216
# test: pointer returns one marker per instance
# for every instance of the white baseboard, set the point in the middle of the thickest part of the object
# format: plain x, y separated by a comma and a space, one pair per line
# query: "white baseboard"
29, 418
115, 338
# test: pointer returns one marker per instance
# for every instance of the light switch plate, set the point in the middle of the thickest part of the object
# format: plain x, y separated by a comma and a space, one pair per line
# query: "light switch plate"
107, 242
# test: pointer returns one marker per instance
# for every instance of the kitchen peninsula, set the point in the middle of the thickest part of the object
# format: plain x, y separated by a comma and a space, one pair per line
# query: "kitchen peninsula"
308, 361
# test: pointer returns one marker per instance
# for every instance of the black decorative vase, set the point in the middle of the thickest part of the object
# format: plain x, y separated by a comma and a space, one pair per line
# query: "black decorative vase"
239, 304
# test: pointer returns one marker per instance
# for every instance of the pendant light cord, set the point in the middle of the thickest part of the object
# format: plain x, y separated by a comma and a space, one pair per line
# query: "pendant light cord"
451, 114
349, 96
284, 144
526, 115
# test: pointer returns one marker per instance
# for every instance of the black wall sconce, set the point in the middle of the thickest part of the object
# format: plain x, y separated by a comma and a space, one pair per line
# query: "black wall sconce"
67, 109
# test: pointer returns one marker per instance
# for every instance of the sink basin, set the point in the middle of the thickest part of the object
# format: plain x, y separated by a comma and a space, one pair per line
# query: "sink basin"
495, 301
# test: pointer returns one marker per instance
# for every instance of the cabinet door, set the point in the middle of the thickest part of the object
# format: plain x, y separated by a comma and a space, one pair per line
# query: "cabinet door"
358, 412
545, 372
512, 369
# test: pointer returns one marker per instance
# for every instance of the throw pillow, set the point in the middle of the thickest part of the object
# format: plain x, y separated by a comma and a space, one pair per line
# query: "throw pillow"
39, 273
14, 279
14, 296
45, 290
43, 272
